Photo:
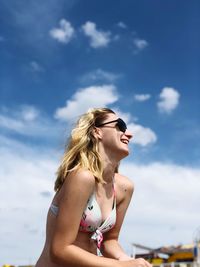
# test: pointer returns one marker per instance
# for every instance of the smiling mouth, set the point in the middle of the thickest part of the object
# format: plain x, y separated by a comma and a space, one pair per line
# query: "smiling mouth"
125, 141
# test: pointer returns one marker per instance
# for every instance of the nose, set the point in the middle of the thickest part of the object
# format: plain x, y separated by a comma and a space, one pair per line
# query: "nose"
128, 134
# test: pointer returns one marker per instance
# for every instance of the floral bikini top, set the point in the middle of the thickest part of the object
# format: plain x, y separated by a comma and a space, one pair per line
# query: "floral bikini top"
91, 220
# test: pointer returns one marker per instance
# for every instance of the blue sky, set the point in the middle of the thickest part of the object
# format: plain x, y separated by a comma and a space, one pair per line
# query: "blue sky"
140, 58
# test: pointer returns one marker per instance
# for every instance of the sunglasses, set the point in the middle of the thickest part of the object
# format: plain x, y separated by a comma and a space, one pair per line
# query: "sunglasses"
121, 125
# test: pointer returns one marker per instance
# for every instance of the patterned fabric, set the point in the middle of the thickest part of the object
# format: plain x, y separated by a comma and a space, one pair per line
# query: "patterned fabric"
91, 220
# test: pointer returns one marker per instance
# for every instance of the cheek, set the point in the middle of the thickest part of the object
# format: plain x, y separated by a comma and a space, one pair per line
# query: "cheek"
108, 140
112, 140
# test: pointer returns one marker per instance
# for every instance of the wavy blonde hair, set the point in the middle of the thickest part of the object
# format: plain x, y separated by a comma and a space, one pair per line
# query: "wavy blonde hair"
82, 149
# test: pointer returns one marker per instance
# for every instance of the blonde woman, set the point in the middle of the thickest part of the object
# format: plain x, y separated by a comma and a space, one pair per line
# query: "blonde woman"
88, 209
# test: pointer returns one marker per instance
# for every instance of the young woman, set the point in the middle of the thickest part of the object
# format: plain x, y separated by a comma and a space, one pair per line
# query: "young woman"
88, 209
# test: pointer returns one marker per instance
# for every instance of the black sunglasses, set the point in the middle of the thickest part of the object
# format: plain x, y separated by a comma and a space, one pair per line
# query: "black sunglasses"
120, 124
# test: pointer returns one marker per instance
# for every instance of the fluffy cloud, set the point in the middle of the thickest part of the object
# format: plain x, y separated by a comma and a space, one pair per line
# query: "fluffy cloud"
141, 135
169, 100
127, 117
165, 204
28, 113
18, 119
65, 33
28, 121
26, 173
100, 75
36, 67
139, 44
83, 99
122, 25
98, 38
142, 97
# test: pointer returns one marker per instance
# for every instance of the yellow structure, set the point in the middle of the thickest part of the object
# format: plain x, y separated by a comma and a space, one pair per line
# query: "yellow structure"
181, 253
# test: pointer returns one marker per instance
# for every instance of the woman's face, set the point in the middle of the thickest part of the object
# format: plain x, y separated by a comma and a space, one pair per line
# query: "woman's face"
114, 140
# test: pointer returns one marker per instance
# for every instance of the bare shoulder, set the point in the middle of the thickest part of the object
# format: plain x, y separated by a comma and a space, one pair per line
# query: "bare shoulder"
124, 182
80, 181
124, 186
82, 175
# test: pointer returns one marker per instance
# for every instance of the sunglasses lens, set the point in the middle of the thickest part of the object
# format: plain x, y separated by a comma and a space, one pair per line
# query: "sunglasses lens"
121, 125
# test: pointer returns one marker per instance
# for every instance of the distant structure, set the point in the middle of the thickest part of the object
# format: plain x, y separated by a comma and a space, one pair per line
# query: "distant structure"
167, 254
197, 246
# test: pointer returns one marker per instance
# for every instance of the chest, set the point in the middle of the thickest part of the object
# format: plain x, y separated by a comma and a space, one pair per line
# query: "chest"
97, 215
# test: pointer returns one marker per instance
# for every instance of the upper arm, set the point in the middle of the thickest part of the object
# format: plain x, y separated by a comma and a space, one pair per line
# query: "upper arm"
124, 190
77, 188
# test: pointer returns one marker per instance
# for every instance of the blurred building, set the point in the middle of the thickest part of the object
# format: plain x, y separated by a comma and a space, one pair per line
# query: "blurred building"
167, 254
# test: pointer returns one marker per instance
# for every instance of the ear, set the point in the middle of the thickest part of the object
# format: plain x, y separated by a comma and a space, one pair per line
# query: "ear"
97, 133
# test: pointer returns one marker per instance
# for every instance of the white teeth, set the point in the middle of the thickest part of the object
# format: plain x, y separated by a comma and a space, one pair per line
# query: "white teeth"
125, 142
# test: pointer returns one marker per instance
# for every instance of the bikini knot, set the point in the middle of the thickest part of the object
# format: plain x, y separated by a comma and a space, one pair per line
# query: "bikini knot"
98, 237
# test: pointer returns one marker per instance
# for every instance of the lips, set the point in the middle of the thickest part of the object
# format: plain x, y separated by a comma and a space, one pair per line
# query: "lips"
125, 141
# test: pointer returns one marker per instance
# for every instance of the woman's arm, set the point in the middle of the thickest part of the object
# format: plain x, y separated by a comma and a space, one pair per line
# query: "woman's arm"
111, 247
75, 192
77, 189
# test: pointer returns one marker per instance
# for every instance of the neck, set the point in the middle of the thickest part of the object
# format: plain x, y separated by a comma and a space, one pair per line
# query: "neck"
110, 163
109, 170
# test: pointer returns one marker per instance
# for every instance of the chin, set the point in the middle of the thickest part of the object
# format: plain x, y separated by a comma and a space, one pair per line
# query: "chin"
126, 153
123, 153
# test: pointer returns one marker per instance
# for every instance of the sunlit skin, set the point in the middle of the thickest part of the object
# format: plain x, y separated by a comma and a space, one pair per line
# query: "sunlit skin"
113, 143
65, 245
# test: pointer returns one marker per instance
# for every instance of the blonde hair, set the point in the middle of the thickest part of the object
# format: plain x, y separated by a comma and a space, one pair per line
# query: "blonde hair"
82, 149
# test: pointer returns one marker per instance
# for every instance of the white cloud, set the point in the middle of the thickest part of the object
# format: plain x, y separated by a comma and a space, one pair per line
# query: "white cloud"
169, 100
36, 67
142, 97
116, 37
139, 44
19, 118
98, 38
27, 120
123, 115
100, 75
165, 204
25, 173
65, 33
122, 25
29, 113
85, 98
10, 123
141, 135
